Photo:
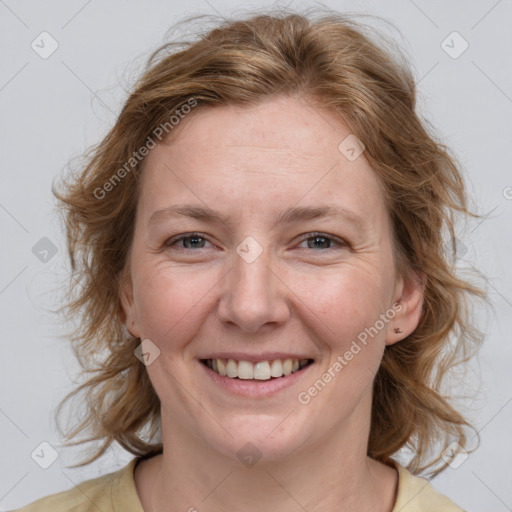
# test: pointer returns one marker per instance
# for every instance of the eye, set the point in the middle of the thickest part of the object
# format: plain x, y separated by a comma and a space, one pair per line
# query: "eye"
191, 241
322, 241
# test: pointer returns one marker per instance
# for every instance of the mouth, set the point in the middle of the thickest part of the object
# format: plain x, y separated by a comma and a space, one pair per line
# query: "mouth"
260, 371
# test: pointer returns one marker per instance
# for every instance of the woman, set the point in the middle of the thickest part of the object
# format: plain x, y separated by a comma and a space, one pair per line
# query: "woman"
258, 252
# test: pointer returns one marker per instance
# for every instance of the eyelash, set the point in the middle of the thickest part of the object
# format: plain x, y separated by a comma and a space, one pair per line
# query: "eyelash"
341, 243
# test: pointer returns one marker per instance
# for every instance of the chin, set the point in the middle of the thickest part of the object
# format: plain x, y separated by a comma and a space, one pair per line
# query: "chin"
258, 437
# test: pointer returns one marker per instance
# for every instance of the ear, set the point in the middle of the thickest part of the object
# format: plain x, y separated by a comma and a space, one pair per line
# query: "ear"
408, 306
128, 304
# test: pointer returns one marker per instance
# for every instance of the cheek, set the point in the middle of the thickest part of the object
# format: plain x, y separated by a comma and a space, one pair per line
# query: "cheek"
171, 302
348, 306
346, 300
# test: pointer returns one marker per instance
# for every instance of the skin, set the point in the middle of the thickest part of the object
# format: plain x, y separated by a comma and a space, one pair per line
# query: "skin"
251, 164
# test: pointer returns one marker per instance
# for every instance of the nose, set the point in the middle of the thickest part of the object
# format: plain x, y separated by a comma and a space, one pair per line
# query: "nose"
253, 294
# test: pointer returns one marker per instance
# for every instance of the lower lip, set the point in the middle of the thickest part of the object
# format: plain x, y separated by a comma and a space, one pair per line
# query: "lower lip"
255, 388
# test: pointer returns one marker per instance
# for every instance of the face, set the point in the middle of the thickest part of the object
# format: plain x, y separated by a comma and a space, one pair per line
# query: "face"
254, 283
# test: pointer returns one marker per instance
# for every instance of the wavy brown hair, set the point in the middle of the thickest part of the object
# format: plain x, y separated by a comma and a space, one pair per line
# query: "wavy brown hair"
336, 64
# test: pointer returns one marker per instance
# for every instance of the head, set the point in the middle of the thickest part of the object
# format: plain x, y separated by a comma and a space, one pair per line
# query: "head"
256, 118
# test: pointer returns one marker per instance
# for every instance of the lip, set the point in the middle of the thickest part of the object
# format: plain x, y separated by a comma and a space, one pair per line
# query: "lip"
255, 388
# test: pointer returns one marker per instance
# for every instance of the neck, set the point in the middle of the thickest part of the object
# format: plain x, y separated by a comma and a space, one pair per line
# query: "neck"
191, 476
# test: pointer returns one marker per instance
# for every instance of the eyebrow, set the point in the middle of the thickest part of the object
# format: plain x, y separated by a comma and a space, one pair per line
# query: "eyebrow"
293, 214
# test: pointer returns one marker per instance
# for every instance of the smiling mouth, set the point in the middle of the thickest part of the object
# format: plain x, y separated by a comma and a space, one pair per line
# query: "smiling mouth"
262, 370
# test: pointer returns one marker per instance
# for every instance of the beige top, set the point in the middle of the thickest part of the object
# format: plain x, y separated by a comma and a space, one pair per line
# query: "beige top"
116, 492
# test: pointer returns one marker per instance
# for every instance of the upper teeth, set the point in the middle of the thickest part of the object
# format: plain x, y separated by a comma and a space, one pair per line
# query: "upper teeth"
262, 370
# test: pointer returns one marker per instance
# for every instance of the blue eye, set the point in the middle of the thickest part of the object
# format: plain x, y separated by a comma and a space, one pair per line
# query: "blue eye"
191, 241
322, 239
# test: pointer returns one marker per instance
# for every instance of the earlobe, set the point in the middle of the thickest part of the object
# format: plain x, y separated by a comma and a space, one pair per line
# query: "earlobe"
410, 298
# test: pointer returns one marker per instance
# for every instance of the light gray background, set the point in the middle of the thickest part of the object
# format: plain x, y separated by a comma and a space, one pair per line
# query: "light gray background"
54, 108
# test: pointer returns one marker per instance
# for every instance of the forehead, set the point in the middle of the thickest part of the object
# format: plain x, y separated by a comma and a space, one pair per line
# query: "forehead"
281, 152
281, 124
